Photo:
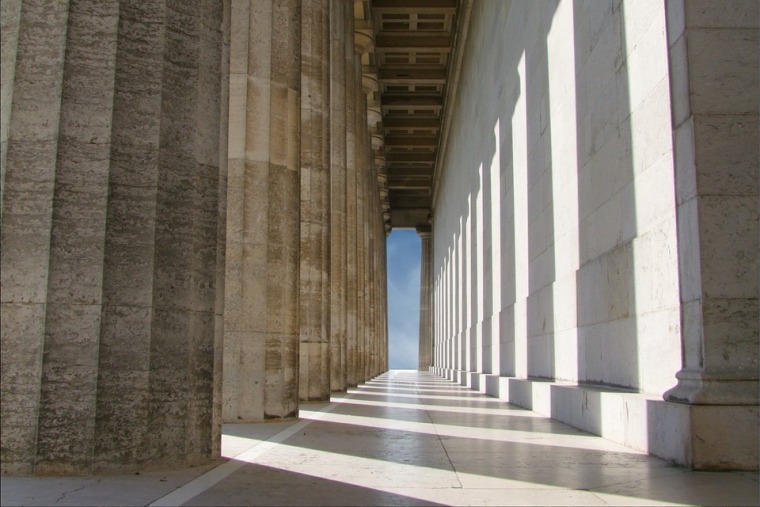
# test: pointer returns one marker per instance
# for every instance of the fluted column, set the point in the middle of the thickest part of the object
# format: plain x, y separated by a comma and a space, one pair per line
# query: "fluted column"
10, 17
426, 316
110, 237
338, 303
314, 315
360, 222
363, 43
263, 231
351, 210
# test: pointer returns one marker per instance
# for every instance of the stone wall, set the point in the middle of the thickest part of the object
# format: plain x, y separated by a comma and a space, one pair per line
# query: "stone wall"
558, 249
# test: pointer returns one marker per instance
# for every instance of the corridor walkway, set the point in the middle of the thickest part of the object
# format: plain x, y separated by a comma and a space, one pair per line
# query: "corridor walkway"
406, 438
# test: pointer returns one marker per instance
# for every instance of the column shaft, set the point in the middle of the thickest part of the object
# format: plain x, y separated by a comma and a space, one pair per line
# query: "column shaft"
114, 330
351, 209
426, 338
338, 301
263, 231
314, 317
359, 113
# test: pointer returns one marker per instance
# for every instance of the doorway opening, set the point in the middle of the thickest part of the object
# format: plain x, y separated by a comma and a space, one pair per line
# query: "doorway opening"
404, 254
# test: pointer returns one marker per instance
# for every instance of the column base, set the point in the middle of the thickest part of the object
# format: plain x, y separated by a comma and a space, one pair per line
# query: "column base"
701, 437
699, 388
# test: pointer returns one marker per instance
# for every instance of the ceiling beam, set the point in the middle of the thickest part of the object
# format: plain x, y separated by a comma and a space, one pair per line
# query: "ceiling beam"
411, 141
415, 6
409, 157
412, 100
401, 42
411, 123
405, 75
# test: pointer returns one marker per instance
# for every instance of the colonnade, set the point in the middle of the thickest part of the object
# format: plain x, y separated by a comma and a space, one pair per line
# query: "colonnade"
192, 229
595, 240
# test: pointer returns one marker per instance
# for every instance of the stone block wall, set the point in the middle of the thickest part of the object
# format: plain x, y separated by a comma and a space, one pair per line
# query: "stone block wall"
560, 243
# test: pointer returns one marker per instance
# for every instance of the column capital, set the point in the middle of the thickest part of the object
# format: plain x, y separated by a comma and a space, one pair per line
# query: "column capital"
425, 231
364, 39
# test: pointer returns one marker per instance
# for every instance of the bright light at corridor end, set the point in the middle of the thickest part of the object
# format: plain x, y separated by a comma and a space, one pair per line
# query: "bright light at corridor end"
403, 298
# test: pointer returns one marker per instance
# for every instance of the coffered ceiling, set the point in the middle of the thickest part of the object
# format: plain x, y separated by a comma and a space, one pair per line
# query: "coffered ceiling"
413, 45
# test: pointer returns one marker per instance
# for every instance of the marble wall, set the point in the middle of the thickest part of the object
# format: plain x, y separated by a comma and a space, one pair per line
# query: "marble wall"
561, 242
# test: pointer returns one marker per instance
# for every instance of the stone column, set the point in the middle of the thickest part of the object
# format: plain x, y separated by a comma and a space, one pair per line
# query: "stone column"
363, 43
351, 209
110, 237
360, 226
371, 248
263, 233
426, 269
221, 248
10, 17
314, 317
715, 120
338, 303
380, 274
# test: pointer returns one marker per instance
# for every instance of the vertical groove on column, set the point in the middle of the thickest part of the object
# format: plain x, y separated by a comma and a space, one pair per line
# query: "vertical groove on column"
208, 179
172, 335
10, 17
72, 323
224, 134
123, 393
27, 221
242, 371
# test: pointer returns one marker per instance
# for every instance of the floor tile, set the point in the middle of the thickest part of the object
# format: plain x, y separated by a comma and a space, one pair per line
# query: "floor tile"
407, 438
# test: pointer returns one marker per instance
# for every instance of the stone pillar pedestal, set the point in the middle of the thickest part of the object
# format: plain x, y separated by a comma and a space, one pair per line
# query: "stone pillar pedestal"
110, 240
426, 284
715, 121
263, 230
314, 297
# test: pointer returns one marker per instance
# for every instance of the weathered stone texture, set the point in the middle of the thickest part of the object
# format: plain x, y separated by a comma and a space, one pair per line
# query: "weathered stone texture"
314, 295
127, 273
351, 199
338, 275
263, 219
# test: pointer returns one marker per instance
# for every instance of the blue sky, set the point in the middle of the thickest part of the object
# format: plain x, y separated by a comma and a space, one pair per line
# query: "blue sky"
403, 298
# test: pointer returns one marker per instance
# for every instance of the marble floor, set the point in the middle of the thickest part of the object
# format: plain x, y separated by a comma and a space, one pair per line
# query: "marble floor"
406, 438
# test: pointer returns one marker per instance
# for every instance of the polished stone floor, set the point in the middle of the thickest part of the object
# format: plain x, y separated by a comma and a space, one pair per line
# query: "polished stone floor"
406, 438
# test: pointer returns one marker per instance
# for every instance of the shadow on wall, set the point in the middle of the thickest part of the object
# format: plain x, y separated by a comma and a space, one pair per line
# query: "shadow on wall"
606, 293
561, 200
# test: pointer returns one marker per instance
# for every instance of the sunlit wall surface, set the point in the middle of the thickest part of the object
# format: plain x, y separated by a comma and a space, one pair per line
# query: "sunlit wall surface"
555, 219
